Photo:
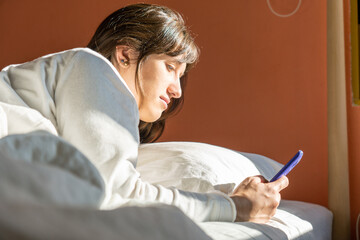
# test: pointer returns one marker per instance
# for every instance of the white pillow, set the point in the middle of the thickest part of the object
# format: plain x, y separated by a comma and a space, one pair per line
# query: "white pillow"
200, 167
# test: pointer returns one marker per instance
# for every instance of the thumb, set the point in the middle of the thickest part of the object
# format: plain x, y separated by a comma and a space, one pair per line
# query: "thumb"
280, 184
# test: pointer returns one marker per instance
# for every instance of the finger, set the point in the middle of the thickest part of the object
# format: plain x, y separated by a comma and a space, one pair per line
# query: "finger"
262, 178
247, 180
258, 179
280, 184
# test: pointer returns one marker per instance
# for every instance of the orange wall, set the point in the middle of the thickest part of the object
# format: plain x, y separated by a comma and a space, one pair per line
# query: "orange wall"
353, 113
260, 85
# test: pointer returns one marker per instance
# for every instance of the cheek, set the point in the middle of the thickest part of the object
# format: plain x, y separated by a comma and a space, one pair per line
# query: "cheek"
153, 80
154, 85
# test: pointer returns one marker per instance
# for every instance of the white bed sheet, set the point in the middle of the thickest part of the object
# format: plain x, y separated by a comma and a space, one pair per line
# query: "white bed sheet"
293, 220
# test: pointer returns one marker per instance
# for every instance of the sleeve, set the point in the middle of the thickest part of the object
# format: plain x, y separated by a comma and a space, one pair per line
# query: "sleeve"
97, 113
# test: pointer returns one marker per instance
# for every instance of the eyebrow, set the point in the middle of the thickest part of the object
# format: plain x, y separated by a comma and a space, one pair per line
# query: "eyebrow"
177, 61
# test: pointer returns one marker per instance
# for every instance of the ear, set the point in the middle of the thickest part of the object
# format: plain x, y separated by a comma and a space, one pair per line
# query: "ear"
124, 55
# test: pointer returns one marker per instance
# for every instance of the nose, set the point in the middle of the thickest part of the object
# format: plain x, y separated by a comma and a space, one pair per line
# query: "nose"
174, 89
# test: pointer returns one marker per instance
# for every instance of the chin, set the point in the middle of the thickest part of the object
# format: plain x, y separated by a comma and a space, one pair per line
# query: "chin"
149, 118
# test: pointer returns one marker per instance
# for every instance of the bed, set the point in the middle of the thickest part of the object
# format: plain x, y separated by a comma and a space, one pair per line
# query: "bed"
49, 190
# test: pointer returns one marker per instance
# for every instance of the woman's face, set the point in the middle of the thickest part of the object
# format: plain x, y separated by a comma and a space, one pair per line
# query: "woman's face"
159, 82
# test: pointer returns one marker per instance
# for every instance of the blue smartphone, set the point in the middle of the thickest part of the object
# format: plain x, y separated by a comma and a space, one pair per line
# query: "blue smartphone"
290, 165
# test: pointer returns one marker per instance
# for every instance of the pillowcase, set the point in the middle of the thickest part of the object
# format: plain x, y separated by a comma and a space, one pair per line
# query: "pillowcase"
200, 167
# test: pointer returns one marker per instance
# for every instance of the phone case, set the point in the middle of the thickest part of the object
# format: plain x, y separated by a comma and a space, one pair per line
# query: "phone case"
289, 166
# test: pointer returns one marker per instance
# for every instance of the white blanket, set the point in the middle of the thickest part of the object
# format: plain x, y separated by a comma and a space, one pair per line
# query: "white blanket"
50, 190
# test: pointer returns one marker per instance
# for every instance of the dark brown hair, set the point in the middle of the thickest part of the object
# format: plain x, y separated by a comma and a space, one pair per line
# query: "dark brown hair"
148, 29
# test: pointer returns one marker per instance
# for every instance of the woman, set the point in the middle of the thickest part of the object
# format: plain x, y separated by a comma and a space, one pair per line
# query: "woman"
109, 97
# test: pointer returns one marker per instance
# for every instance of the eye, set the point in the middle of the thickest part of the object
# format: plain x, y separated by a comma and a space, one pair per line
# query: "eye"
170, 67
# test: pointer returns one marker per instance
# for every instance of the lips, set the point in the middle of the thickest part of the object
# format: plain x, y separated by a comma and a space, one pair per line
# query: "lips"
165, 99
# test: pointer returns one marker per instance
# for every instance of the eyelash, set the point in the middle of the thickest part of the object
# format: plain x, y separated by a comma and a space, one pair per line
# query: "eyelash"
170, 68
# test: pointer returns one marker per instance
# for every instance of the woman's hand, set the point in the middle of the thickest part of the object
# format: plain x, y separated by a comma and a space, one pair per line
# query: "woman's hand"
256, 199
